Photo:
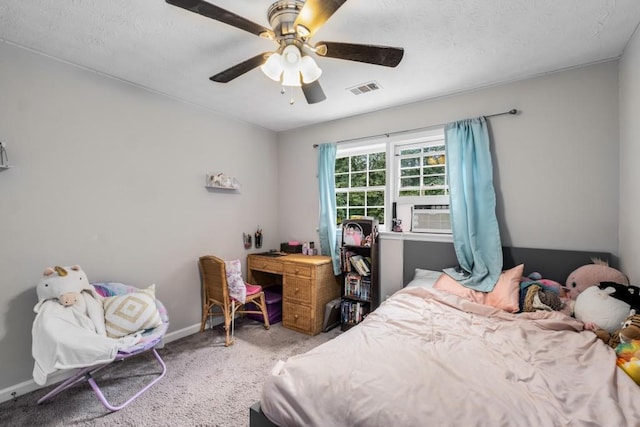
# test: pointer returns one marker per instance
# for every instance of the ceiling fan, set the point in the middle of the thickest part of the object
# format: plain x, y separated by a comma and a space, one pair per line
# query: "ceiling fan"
293, 24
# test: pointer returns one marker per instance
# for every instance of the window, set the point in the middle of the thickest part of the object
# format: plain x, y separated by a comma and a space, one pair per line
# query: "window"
361, 180
421, 175
368, 182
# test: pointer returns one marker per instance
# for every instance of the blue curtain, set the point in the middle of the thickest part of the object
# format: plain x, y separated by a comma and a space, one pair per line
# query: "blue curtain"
327, 191
474, 224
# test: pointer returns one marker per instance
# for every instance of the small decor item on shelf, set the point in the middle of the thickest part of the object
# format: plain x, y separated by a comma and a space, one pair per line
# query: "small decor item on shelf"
353, 234
246, 239
221, 180
397, 225
258, 237
4, 159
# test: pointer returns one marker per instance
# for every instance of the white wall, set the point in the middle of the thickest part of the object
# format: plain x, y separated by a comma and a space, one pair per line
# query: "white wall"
629, 156
111, 177
555, 164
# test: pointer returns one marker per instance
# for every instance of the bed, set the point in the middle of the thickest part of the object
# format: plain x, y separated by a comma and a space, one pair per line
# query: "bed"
429, 357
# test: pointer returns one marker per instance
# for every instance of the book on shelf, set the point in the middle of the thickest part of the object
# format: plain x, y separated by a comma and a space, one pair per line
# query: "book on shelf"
360, 264
357, 286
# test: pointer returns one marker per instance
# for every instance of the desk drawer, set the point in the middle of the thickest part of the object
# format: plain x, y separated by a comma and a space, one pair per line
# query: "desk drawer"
297, 269
265, 264
296, 289
297, 317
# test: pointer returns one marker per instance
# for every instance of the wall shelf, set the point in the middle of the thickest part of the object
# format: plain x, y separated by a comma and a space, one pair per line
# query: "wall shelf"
220, 181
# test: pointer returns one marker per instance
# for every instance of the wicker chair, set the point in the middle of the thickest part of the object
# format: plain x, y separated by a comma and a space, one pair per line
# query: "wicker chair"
215, 294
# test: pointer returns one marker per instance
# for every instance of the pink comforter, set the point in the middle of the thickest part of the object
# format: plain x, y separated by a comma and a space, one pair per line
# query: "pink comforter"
430, 358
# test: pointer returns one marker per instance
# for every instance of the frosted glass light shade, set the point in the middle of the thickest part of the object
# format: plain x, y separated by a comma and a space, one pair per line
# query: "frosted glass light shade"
291, 77
309, 69
272, 68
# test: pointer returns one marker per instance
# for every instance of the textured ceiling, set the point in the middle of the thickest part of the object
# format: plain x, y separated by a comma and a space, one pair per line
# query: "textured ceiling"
450, 46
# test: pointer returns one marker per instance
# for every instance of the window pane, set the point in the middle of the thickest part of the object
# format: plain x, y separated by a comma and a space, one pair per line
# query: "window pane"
410, 182
359, 163
433, 180
377, 161
433, 171
410, 151
356, 198
434, 193
410, 172
342, 165
375, 198
377, 213
377, 178
341, 215
359, 211
359, 179
342, 181
434, 160
433, 148
407, 193
341, 199
410, 162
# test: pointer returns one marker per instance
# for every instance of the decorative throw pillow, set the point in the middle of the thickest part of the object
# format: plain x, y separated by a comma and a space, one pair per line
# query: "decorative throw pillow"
505, 294
237, 289
129, 313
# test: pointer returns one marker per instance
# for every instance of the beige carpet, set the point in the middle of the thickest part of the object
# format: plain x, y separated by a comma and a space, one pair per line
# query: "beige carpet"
206, 383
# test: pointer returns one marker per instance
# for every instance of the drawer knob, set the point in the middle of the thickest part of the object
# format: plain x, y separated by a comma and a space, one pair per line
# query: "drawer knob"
264, 265
295, 317
297, 270
297, 290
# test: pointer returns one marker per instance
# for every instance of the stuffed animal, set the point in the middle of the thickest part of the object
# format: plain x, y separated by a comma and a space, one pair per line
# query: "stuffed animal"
629, 331
591, 274
597, 308
62, 283
586, 276
629, 359
71, 288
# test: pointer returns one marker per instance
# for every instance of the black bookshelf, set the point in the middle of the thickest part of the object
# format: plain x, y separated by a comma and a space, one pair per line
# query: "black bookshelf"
359, 262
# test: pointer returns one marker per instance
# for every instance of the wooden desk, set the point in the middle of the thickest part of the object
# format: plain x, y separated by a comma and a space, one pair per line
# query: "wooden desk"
308, 284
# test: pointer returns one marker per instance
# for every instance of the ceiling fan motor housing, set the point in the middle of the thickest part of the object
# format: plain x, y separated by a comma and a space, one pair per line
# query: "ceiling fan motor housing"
282, 15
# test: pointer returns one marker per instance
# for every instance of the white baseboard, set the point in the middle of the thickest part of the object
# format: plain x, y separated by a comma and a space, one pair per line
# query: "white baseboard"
30, 385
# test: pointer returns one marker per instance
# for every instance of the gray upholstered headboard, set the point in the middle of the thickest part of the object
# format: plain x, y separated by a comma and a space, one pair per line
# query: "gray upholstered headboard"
553, 264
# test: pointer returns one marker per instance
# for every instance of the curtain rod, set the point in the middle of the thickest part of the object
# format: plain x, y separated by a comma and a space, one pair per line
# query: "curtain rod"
511, 112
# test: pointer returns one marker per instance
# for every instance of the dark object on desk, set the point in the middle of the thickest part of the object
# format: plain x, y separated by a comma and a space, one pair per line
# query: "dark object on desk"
291, 249
272, 253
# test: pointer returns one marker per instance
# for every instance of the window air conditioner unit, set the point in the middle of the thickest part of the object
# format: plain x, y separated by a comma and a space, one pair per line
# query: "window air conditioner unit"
431, 219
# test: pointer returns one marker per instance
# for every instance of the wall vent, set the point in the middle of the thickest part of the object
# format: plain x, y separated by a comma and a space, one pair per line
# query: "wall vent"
364, 88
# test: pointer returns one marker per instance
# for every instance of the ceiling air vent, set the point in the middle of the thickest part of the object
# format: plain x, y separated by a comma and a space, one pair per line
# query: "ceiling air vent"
364, 88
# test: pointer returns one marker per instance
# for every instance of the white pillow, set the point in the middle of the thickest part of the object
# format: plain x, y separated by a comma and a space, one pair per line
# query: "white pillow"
424, 278
129, 313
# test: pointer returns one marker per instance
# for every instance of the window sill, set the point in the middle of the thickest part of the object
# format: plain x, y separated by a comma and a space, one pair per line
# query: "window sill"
420, 237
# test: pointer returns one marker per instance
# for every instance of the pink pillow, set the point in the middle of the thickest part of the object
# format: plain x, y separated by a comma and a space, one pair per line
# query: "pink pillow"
505, 295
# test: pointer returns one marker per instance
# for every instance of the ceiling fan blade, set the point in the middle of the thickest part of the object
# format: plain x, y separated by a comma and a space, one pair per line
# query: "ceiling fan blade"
222, 15
313, 92
378, 55
239, 69
315, 13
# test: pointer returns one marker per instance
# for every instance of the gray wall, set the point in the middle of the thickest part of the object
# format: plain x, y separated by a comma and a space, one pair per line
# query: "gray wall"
111, 177
629, 155
556, 163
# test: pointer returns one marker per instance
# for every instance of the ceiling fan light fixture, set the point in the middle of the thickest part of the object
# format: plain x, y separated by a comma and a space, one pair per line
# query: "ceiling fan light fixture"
291, 77
273, 67
309, 69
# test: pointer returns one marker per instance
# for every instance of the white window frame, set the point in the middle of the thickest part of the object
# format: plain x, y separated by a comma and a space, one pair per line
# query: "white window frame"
390, 144
367, 147
430, 137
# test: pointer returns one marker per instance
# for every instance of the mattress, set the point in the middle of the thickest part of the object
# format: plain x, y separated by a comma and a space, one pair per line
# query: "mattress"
426, 357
